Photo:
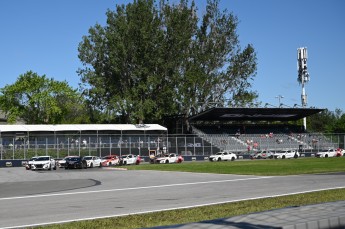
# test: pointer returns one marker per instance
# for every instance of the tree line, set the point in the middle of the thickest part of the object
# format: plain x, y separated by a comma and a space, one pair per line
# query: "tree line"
151, 60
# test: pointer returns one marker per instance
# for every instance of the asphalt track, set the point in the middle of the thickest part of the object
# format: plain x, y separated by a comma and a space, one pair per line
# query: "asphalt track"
29, 198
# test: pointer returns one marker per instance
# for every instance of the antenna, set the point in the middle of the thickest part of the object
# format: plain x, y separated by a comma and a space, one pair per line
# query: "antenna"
303, 76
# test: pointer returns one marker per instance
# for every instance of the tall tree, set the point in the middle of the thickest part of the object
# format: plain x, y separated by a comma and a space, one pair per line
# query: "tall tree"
153, 60
40, 100
327, 122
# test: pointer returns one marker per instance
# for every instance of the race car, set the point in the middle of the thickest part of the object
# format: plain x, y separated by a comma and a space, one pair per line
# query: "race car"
168, 158
93, 161
262, 155
340, 152
44, 163
223, 156
130, 159
327, 153
75, 162
286, 154
110, 160
60, 162
29, 163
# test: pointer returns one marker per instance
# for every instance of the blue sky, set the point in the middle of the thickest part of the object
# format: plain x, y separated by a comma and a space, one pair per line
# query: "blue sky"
43, 36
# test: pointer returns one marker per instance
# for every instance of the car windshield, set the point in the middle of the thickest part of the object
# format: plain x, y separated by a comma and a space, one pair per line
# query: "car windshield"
72, 159
88, 158
43, 159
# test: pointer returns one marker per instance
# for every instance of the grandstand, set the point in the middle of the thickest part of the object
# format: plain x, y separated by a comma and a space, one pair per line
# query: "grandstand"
245, 130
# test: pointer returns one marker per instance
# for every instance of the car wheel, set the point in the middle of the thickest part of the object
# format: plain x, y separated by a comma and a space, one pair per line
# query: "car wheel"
219, 159
137, 162
326, 155
283, 157
233, 158
100, 165
296, 156
50, 167
91, 165
125, 163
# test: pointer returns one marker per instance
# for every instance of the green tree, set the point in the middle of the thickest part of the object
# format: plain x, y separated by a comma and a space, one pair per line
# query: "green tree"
151, 61
39, 100
327, 122
339, 126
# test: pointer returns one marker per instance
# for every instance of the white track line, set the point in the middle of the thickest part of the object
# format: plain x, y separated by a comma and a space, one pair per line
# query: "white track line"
127, 189
167, 209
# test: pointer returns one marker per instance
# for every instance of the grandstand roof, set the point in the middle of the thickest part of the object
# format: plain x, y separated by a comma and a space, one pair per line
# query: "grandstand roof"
81, 127
254, 114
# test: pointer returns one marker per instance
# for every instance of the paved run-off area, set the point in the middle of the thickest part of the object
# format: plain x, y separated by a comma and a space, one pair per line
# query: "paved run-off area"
38, 198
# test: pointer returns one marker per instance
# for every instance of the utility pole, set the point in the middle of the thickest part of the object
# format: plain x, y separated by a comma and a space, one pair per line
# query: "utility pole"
303, 77
279, 97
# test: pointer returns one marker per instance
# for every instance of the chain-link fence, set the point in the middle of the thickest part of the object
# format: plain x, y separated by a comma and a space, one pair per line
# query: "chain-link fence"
59, 146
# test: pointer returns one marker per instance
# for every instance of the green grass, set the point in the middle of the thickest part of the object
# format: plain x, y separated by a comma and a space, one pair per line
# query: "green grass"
255, 167
265, 167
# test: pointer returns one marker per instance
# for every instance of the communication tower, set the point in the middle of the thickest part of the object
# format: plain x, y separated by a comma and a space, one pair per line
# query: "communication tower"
303, 76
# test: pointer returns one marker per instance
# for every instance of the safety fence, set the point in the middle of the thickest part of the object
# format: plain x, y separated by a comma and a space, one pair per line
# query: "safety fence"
60, 146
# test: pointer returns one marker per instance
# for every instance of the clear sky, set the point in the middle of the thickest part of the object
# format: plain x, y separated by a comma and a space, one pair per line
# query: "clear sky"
43, 36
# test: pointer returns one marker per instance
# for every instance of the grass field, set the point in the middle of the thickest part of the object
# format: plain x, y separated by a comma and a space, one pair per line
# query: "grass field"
265, 167
255, 167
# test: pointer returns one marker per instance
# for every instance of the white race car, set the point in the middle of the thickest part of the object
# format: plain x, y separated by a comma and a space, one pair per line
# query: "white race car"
44, 163
327, 153
93, 161
286, 154
60, 162
169, 158
130, 159
223, 156
29, 163
262, 155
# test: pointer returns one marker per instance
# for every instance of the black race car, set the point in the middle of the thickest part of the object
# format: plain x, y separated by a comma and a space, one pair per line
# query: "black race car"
75, 162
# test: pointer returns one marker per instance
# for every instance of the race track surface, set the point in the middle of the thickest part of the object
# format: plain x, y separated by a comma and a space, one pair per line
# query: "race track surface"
29, 198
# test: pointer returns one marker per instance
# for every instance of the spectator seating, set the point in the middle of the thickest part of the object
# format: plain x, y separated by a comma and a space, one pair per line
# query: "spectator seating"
247, 138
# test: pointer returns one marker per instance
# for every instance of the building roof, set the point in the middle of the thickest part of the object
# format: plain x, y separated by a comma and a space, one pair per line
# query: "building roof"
81, 127
254, 114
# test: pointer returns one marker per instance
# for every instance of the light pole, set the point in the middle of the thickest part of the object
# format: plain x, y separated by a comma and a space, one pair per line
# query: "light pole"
279, 97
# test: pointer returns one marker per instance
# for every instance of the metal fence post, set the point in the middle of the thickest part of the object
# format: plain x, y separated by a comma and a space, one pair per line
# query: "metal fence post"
36, 146
203, 146
68, 146
46, 146
57, 147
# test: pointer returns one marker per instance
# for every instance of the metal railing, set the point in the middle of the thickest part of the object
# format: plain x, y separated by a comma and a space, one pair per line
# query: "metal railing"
187, 145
